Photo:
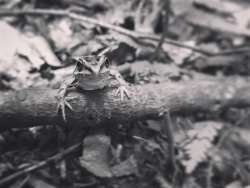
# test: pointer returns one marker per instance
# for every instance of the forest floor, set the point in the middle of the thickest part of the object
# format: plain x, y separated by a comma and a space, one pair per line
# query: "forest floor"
184, 122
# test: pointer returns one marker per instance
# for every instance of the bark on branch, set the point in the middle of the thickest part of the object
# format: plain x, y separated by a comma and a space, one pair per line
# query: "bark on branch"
38, 106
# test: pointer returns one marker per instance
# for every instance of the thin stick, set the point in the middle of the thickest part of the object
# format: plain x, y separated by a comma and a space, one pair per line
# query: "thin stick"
165, 22
211, 162
133, 34
233, 51
168, 130
39, 165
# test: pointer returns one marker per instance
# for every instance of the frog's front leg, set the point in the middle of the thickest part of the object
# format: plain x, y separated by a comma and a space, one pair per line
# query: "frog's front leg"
122, 89
63, 99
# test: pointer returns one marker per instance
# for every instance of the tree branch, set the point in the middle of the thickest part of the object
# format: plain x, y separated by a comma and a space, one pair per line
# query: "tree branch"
38, 106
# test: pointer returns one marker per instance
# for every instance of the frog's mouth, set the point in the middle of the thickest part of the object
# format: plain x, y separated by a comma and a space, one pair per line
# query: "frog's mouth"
93, 85
95, 71
96, 77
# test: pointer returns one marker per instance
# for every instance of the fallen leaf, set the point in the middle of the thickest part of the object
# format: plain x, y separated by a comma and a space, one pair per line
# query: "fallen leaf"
9, 40
39, 183
147, 15
125, 168
201, 139
181, 7
34, 48
178, 54
60, 33
13, 47
235, 184
95, 156
43, 50
215, 22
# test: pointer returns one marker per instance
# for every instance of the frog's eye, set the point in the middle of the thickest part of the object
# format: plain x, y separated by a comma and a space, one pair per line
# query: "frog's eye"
105, 61
79, 65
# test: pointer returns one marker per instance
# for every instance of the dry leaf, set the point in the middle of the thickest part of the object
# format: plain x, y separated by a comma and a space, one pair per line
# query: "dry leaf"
200, 142
181, 7
125, 168
35, 49
147, 15
13, 47
235, 184
95, 157
9, 40
43, 50
60, 33
178, 54
214, 22
39, 183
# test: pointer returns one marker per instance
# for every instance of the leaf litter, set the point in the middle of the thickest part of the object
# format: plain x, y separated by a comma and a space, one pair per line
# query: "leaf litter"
37, 58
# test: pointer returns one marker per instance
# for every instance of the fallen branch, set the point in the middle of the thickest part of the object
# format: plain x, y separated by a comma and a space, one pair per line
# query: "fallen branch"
38, 106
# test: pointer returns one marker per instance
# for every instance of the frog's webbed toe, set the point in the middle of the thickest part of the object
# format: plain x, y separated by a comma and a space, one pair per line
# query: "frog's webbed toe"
122, 91
63, 103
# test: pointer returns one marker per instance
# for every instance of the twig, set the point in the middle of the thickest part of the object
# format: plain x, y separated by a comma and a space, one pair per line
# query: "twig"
162, 182
211, 163
168, 130
133, 34
39, 165
165, 22
233, 51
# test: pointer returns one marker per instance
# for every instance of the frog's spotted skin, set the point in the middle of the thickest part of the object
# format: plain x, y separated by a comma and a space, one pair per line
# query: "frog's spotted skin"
91, 73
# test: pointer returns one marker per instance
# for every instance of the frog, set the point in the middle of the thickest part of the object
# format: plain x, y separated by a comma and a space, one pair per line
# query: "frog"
91, 73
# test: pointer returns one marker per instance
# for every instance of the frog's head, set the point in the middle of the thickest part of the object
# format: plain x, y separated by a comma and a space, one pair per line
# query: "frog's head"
93, 64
